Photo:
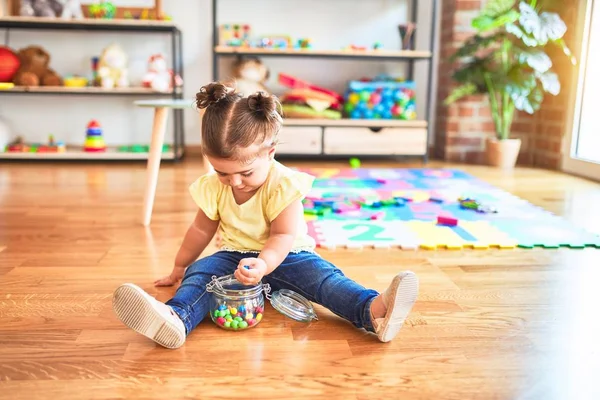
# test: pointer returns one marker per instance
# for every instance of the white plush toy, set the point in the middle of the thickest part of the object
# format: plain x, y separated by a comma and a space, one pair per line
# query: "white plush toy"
159, 77
112, 67
71, 9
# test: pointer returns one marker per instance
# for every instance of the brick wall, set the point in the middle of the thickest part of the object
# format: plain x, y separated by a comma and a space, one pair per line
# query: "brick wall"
463, 127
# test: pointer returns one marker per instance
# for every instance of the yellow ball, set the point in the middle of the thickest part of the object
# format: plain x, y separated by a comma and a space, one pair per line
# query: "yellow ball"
248, 317
233, 311
353, 98
258, 317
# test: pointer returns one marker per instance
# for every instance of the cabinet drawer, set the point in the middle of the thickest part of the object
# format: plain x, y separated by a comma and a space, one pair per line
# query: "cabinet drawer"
299, 140
392, 141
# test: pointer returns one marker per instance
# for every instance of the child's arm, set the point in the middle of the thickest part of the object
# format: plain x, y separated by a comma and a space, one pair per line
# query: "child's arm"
197, 237
281, 239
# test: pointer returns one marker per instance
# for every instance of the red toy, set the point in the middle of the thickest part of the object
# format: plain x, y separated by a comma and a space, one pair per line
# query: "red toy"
447, 221
9, 64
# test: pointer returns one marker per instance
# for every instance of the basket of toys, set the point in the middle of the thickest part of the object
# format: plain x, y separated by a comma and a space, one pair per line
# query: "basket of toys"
380, 98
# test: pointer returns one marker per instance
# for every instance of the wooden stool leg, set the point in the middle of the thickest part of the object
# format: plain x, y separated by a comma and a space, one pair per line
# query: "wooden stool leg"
158, 137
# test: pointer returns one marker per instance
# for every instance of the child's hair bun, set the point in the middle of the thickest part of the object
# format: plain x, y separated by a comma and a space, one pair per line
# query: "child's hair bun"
263, 103
212, 93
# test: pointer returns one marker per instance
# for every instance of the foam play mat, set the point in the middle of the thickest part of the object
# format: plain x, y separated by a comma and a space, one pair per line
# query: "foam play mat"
429, 209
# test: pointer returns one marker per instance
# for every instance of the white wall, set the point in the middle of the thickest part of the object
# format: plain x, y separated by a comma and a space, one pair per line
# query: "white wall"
330, 24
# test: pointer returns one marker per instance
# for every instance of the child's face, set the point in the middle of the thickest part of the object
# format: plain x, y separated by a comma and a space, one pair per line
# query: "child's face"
244, 176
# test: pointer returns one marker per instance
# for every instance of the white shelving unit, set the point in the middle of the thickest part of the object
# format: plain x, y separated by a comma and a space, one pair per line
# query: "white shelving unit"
350, 137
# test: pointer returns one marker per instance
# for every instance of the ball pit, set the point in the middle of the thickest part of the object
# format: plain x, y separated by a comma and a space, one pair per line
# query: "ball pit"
380, 100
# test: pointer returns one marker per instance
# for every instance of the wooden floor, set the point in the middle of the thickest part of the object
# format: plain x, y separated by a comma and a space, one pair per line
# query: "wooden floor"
499, 324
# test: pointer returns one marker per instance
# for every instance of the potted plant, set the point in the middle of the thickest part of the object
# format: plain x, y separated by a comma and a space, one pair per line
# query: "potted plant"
506, 60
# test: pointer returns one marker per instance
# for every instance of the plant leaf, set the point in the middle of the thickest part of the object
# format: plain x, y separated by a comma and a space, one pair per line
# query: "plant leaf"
494, 8
474, 44
550, 83
536, 59
460, 92
485, 23
529, 103
544, 27
519, 33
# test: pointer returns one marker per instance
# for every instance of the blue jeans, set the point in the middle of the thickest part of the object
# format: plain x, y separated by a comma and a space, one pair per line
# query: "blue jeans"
305, 273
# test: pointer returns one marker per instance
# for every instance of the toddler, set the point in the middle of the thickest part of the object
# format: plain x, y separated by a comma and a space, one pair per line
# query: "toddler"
256, 204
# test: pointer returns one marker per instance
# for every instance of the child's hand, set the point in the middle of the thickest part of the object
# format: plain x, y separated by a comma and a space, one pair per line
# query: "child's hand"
171, 279
250, 271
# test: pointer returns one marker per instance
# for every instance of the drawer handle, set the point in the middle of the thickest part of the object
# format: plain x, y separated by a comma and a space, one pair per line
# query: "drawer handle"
375, 129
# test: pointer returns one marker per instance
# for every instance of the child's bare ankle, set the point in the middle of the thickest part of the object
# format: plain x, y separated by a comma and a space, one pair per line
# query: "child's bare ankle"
378, 308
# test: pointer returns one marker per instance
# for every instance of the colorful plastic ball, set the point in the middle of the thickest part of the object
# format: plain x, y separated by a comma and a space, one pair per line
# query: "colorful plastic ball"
387, 95
356, 114
222, 313
243, 325
396, 110
228, 317
238, 319
216, 313
234, 324
387, 114
369, 114
258, 317
258, 310
398, 95
221, 321
348, 108
379, 109
222, 307
365, 95
227, 324
242, 309
354, 163
353, 98
233, 311
375, 98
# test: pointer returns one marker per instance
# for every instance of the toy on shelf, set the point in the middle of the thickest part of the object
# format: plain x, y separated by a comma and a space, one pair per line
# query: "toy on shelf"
9, 64
141, 148
381, 98
234, 35
19, 146
448, 221
112, 67
159, 77
103, 9
94, 142
75, 81
305, 100
71, 9
250, 75
34, 68
303, 44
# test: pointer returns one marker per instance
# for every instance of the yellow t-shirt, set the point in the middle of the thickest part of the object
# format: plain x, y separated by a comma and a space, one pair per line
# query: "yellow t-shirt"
246, 227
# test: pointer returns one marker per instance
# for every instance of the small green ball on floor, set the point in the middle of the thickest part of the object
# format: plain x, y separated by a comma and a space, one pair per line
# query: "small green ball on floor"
354, 162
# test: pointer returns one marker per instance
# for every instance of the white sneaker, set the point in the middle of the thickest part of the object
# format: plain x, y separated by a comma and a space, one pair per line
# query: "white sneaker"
148, 316
399, 299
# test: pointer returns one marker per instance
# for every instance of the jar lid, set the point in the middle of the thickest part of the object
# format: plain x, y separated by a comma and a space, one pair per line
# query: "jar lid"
293, 305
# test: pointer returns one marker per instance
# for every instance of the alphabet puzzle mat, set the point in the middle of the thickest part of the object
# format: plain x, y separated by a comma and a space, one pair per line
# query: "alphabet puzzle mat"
422, 195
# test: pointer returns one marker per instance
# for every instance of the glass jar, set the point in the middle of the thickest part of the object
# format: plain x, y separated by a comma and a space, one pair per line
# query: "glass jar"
235, 306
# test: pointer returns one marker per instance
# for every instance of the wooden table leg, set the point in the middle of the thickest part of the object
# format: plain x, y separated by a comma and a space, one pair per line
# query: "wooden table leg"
158, 137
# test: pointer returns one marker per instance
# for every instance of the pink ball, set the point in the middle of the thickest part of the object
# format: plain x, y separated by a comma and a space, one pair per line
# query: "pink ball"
221, 321
396, 110
375, 98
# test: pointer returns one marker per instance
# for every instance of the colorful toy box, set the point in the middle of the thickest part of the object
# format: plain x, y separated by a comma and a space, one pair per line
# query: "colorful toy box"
380, 99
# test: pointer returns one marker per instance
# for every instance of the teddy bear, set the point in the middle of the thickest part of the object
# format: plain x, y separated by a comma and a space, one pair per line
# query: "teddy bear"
41, 8
159, 77
250, 75
34, 68
112, 67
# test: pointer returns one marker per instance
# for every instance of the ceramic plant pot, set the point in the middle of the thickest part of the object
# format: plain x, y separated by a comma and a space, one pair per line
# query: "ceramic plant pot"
503, 153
